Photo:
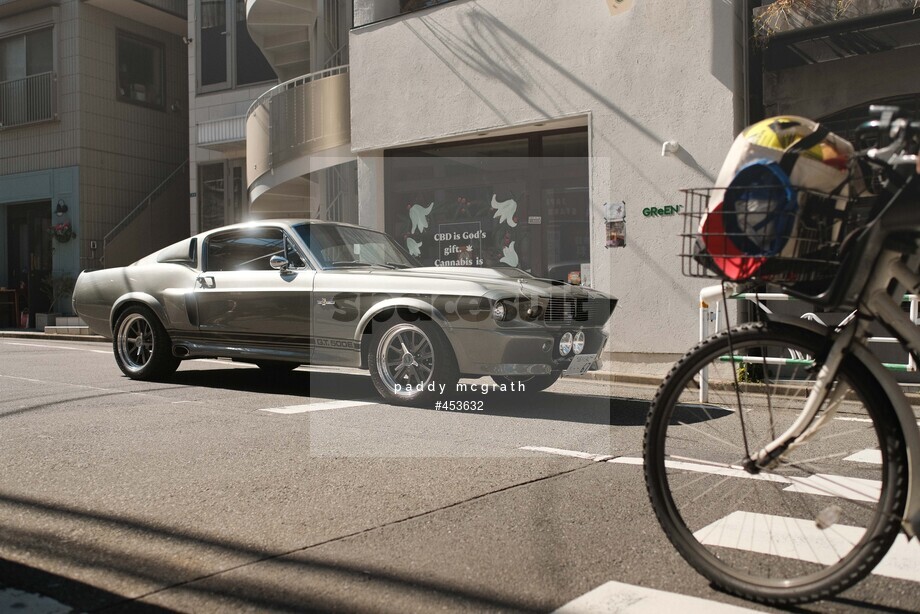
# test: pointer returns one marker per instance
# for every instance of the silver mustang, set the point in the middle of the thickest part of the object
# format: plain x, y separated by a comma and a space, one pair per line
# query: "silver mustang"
282, 293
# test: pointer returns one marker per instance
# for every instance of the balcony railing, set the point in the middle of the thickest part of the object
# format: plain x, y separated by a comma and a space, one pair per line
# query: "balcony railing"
297, 118
29, 100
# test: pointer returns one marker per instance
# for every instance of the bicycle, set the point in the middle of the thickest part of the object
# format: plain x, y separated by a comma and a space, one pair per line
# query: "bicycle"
796, 477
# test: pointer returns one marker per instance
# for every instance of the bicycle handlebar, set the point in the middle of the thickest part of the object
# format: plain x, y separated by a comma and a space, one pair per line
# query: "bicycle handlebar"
899, 155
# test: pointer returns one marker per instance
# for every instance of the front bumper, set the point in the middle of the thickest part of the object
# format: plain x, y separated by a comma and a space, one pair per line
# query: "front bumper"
516, 351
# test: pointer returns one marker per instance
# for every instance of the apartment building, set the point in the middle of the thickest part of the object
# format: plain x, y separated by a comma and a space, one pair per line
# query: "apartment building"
93, 123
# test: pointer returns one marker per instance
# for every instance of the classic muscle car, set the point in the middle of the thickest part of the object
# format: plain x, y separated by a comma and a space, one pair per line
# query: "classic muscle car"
283, 293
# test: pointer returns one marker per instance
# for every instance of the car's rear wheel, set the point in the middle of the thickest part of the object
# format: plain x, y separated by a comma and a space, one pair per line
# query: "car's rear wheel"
411, 361
142, 347
527, 383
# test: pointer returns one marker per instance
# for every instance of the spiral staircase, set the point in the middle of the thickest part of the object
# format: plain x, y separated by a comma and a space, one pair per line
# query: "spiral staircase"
298, 133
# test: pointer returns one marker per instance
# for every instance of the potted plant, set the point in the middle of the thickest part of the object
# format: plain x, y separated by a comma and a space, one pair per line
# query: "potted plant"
55, 286
62, 233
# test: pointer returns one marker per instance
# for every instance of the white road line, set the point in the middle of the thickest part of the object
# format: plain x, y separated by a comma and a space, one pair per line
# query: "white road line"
570, 453
854, 489
734, 472
57, 347
861, 420
619, 598
825, 485
12, 600
321, 406
866, 456
801, 539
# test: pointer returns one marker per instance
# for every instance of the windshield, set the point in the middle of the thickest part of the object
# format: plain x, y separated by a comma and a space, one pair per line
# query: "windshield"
345, 246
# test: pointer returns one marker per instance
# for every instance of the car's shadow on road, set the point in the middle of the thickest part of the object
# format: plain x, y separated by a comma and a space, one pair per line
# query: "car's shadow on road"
564, 407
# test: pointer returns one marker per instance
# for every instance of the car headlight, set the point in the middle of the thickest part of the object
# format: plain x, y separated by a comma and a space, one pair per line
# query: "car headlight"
565, 344
578, 342
500, 311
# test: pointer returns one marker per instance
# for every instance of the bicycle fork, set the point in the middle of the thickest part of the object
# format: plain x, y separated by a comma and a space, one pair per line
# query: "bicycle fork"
823, 392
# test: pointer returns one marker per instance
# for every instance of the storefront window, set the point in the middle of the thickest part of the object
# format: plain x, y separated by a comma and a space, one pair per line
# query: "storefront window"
493, 203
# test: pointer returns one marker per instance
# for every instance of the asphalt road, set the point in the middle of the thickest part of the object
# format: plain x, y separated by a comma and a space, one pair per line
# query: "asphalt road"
191, 495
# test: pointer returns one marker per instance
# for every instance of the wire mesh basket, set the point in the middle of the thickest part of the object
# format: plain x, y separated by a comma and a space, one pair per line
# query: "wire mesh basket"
771, 234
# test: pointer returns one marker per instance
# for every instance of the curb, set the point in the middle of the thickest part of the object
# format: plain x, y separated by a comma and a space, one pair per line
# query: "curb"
622, 378
8, 334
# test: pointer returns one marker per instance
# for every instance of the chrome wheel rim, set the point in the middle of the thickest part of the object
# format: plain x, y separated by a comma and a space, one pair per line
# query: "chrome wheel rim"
405, 359
135, 342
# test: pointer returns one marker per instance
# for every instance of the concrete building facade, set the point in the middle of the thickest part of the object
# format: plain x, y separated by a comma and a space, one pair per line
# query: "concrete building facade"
616, 82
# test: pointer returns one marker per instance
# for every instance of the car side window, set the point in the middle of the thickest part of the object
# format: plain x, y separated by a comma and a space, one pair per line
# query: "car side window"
293, 256
246, 249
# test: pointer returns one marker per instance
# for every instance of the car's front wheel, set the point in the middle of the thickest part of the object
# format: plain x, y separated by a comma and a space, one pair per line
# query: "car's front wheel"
411, 362
142, 346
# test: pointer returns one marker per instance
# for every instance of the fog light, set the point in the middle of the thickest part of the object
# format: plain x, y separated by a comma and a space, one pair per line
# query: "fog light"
565, 344
578, 342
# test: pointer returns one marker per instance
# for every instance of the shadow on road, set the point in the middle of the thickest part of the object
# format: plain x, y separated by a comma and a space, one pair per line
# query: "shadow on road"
565, 407
200, 577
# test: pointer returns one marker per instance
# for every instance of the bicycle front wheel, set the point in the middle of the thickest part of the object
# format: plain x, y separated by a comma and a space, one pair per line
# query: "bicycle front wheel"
808, 527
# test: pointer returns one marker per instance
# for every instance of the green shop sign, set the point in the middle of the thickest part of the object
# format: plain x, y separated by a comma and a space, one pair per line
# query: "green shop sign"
662, 211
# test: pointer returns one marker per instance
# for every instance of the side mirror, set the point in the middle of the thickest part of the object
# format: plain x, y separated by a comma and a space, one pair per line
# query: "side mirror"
279, 263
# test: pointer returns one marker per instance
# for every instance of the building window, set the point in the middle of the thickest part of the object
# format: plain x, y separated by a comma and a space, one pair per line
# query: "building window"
140, 71
27, 78
519, 201
227, 55
222, 196
372, 11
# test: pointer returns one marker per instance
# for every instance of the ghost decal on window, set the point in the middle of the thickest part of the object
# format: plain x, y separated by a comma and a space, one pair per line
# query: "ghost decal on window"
505, 210
414, 247
510, 256
419, 217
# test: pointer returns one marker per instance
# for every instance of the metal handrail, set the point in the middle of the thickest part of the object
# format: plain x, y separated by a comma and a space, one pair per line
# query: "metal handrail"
294, 83
143, 205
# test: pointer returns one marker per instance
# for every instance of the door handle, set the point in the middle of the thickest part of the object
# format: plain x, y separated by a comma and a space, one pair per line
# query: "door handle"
206, 281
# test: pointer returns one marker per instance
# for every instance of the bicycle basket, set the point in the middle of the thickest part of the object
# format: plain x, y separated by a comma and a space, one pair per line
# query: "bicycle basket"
773, 233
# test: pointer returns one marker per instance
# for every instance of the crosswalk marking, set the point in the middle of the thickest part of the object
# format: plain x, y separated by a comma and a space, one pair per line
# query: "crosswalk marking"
321, 406
12, 600
795, 538
620, 598
570, 453
854, 489
866, 456
734, 472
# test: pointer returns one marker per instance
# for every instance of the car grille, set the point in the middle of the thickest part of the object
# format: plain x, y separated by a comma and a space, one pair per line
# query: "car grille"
584, 311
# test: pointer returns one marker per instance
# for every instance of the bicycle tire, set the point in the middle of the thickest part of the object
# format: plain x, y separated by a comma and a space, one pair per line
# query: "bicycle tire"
758, 553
